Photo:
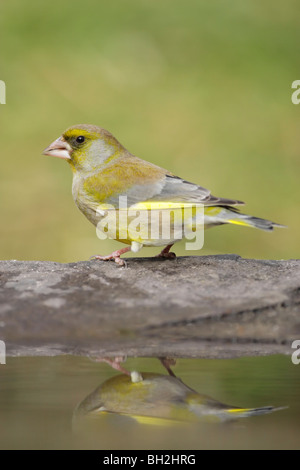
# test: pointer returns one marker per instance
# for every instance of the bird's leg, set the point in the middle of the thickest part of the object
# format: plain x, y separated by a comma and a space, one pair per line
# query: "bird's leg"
115, 255
166, 253
167, 362
115, 363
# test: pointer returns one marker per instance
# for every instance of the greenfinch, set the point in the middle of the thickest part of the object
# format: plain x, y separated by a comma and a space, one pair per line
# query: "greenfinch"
152, 398
105, 173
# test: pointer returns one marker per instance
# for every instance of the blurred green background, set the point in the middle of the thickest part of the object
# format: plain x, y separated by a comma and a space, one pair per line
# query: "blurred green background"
202, 88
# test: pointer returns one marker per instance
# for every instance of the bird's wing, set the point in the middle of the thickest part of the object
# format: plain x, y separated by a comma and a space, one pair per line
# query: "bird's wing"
141, 181
178, 190
171, 188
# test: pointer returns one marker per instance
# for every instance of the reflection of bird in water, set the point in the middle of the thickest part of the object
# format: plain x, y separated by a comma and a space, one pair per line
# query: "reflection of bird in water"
151, 398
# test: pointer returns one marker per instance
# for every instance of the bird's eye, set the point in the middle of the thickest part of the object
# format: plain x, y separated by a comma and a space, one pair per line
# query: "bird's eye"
80, 139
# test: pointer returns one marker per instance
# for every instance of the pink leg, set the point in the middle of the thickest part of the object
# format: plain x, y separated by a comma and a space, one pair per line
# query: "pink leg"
167, 362
114, 256
114, 363
166, 253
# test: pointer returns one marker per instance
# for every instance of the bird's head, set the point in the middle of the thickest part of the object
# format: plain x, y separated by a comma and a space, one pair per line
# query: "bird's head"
85, 147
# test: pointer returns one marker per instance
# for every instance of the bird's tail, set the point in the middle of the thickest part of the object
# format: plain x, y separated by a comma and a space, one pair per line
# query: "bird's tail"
234, 413
229, 215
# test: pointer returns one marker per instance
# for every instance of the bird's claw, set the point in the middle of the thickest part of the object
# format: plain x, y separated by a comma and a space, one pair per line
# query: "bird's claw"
169, 255
93, 257
113, 257
167, 362
115, 363
166, 253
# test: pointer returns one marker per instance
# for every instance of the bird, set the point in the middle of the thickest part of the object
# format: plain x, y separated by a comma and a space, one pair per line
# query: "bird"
106, 176
152, 398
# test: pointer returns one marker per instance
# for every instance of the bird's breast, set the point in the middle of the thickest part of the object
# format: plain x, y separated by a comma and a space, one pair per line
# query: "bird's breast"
83, 200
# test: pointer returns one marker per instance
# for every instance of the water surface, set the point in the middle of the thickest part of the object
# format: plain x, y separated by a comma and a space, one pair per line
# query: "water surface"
38, 397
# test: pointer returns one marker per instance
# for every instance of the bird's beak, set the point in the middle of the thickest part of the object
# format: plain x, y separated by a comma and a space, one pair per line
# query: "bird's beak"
59, 148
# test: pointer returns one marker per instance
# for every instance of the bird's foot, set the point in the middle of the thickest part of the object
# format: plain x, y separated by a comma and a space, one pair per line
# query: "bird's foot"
115, 363
167, 362
115, 256
170, 255
166, 253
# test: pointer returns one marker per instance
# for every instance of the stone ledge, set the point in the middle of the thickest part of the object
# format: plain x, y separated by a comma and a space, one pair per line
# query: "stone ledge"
210, 306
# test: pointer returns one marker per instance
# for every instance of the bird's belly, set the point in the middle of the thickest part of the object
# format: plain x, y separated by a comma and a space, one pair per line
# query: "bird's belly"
146, 227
